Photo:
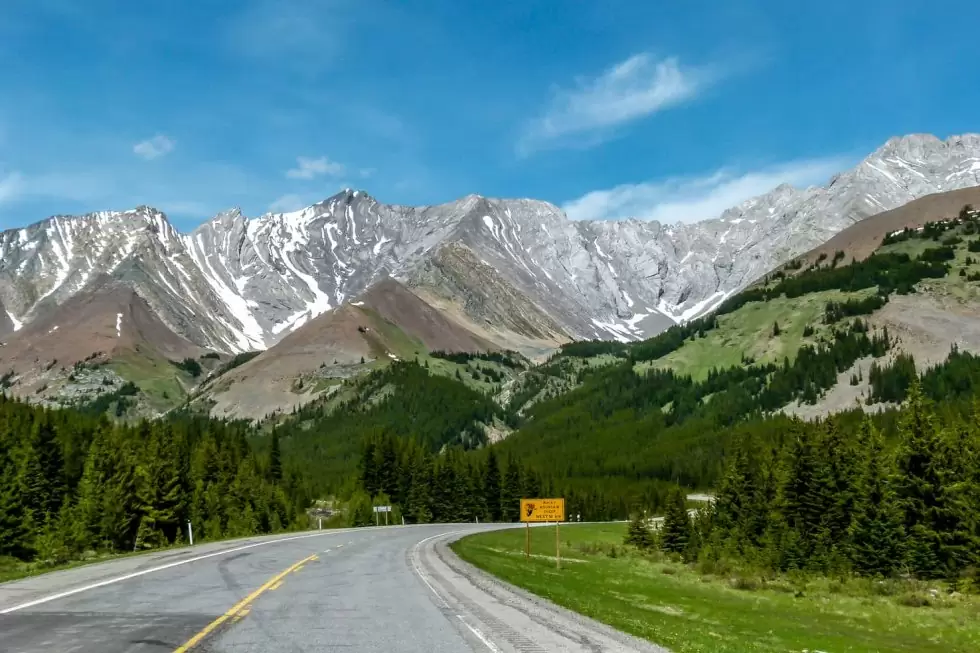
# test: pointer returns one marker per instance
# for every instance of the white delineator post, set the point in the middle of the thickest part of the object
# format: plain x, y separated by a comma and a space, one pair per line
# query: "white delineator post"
190, 532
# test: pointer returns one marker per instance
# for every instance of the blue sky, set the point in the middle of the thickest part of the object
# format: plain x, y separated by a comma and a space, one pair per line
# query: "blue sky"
667, 110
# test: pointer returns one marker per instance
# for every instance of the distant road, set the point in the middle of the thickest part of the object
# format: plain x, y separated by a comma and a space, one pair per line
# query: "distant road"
359, 590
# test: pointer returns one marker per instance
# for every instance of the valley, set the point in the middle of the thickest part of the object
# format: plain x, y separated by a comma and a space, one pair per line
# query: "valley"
449, 378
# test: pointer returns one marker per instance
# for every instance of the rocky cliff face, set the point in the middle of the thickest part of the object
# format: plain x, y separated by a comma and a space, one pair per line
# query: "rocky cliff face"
519, 266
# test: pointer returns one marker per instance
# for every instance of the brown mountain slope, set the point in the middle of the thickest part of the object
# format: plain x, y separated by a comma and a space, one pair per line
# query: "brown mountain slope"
387, 322
861, 239
397, 304
6, 325
98, 326
474, 294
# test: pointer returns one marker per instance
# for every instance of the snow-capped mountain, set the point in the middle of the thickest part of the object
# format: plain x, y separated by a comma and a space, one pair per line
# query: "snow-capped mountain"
235, 283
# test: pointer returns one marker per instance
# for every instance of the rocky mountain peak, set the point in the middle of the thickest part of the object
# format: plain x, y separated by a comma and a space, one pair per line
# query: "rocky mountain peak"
238, 283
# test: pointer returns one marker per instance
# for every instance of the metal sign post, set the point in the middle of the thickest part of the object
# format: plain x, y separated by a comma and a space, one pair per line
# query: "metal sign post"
557, 546
377, 511
527, 542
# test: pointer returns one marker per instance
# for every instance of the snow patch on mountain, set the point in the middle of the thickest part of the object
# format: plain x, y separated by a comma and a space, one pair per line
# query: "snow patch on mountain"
14, 321
236, 283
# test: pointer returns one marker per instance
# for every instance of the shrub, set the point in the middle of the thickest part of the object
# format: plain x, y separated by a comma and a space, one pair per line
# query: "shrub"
914, 600
189, 365
742, 582
638, 534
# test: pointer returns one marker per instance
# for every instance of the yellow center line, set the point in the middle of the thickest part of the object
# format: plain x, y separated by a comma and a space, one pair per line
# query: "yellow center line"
241, 615
240, 606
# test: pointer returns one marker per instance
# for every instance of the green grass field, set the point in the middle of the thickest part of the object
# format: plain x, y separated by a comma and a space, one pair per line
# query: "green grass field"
162, 384
749, 331
673, 605
952, 286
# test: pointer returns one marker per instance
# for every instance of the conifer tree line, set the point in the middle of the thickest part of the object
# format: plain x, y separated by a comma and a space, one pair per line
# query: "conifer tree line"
446, 487
833, 497
72, 484
460, 486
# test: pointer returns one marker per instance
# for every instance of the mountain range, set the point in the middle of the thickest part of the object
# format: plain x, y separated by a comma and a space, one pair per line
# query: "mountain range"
236, 284
513, 274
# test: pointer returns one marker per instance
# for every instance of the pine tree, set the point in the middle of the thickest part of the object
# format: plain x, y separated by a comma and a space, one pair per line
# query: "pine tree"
149, 535
387, 457
474, 506
740, 508
120, 515
159, 488
806, 496
919, 485
368, 469
840, 461
638, 534
53, 542
491, 486
876, 536
675, 534
443, 488
15, 533
43, 480
419, 501
87, 523
961, 496
511, 492
532, 485
275, 458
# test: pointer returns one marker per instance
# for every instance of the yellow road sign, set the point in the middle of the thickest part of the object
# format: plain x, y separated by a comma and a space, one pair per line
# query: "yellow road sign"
535, 510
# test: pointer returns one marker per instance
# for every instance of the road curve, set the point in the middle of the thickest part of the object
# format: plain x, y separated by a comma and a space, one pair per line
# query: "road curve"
359, 590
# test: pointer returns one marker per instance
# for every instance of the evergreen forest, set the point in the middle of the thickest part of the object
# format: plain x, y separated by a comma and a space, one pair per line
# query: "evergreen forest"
896, 491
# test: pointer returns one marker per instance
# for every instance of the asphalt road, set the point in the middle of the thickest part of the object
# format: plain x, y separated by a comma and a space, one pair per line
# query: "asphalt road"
362, 590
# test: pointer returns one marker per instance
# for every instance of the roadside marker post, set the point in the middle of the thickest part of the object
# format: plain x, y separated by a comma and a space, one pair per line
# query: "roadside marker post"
543, 510
190, 532
377, 511
557, 547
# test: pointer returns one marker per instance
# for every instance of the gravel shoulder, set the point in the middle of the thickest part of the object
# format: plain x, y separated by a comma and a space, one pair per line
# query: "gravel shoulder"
507, 617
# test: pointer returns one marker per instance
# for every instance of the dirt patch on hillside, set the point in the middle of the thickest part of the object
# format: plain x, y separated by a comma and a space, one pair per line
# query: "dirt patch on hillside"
843, 396
927, 327
921, 325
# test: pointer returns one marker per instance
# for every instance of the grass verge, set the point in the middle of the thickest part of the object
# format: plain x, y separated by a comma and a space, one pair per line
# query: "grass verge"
675, 606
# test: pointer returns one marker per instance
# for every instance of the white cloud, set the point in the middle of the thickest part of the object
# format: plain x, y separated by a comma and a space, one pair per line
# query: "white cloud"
689, 199
307, 168
635, 88
154, 148
11, 186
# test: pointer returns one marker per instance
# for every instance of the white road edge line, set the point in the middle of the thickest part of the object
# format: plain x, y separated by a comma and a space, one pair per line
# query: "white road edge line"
483, 638
418, 571
119, 579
